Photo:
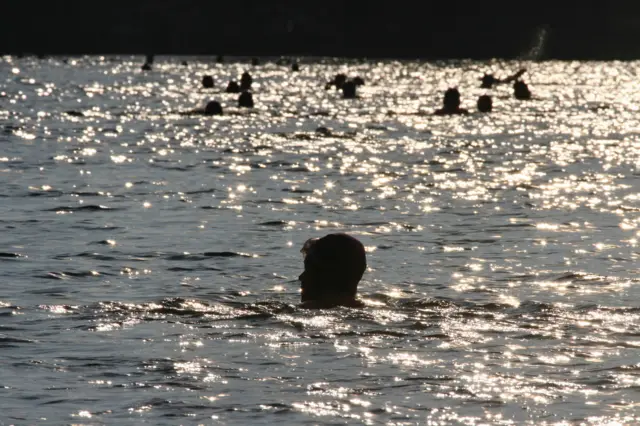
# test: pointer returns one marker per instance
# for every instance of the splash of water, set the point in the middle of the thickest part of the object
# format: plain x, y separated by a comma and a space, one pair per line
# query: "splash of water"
539, 41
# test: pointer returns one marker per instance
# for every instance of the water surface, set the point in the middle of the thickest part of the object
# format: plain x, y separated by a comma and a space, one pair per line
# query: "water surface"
150, 259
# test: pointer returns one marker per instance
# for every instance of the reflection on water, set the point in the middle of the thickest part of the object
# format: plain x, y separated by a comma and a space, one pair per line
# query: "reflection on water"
150, 259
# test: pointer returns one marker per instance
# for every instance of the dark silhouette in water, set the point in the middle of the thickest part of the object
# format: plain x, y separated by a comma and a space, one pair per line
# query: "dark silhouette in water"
207, 82
232, 87
451, 103
359, 81
521, 90
219, 59
184, 63
324, 131
255, 61
338, 81
245, 100
485, 104
349, 90
245, 81
333, 267
213, 108
295, 67
489, 80
147, 63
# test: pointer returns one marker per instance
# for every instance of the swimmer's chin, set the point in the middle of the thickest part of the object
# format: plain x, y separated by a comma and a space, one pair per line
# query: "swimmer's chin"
330, 304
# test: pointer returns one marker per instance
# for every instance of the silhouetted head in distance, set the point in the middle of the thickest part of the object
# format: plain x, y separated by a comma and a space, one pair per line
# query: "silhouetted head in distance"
146, 67
213, 108
451, 99
349, 90
324, 131
245, 81
295, 67
184, 63
451, 103
521, 90
488, 80
359, 81
207, 82
232, 87
333, 267
245, 100
339, 80
485, 104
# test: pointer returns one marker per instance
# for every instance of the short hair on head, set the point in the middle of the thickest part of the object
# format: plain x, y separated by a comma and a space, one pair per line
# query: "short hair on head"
339, 259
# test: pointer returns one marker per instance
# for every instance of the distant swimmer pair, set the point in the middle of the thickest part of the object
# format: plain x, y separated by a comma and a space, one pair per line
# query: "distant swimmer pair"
451, 104
488, 80
333, 267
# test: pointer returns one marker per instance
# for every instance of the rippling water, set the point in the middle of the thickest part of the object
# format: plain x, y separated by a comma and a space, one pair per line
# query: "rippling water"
150, 259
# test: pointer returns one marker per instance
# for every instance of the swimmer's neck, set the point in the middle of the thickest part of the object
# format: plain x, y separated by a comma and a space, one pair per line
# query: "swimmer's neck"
334, 302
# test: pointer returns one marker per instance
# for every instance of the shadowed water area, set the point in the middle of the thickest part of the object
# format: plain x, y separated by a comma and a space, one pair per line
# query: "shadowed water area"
149, 260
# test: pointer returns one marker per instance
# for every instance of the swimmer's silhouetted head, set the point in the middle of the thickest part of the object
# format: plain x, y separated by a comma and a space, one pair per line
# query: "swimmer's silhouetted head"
213, 108
207, 82
295, 67
485, 104
349, 89
521, 90
245, 100
339, 80
333, 267
245, 81
451, 98
451, 103
359, 81
488, 80
232, 87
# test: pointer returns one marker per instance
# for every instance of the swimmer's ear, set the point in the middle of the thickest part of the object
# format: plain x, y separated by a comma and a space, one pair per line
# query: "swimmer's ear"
308, 245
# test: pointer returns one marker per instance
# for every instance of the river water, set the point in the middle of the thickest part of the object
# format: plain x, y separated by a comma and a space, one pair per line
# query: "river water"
149, 259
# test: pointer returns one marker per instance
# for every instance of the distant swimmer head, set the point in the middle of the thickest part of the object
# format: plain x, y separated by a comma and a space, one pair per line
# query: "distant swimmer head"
233, 87
324, 131
339, 80
207, 82
451, 103
245, 100
184, 63
333, 267
295, 67
521, 90
488, 80
213, 108
359, 81
146, 67
451, 99
349, 90
245, 81
485, 104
